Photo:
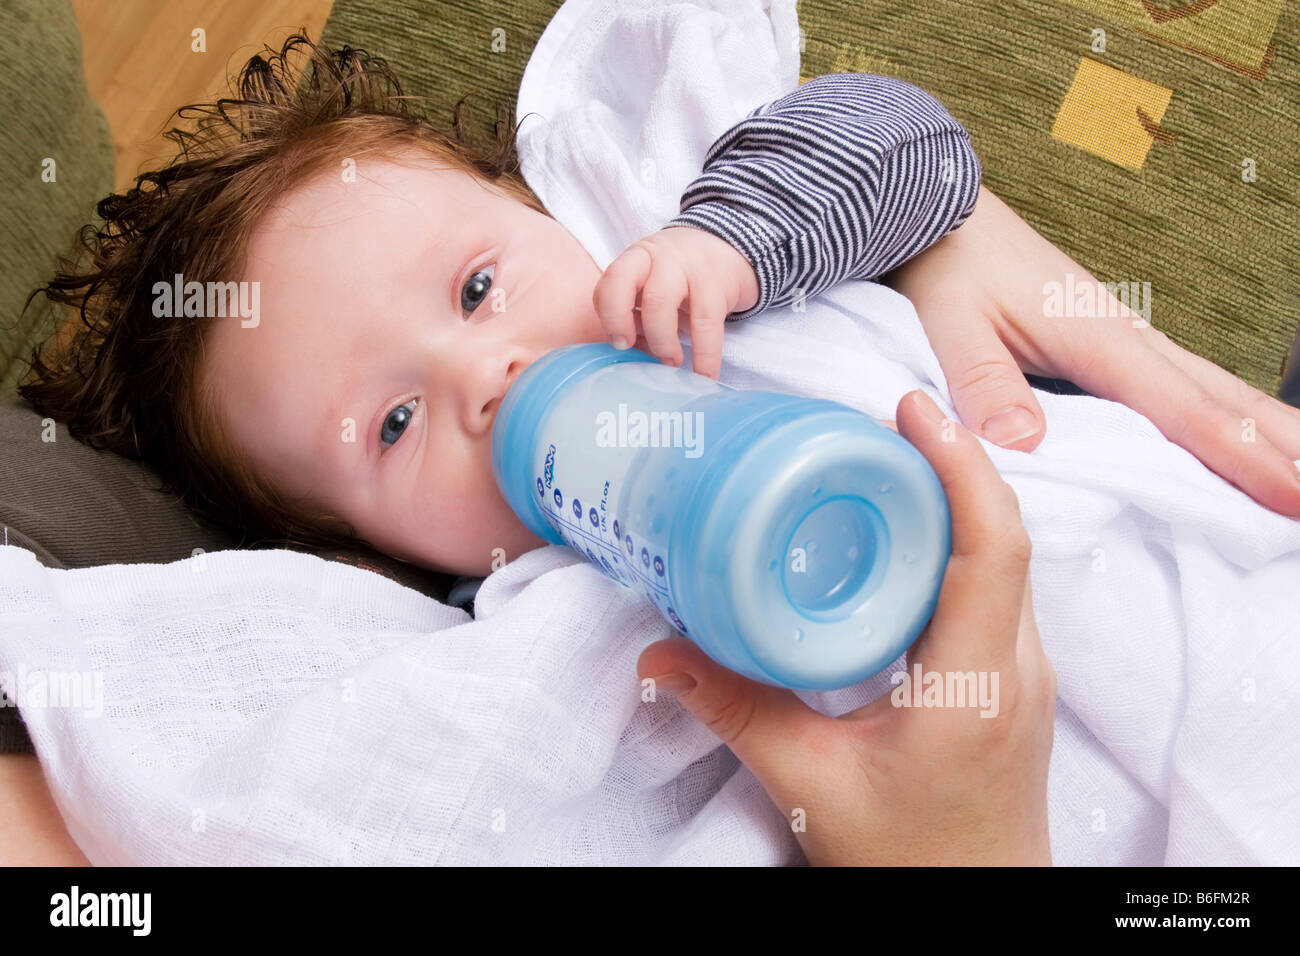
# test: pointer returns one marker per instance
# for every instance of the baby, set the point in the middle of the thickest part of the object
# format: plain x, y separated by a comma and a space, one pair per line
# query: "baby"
404, 281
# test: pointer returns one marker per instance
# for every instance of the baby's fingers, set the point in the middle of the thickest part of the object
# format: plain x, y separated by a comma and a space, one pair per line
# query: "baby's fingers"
708, 323
616, 294
661, 300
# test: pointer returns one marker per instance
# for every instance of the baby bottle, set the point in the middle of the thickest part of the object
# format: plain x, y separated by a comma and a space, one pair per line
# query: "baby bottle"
796, 541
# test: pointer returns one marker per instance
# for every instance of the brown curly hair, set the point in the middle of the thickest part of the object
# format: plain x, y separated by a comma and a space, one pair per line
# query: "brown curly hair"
128, 381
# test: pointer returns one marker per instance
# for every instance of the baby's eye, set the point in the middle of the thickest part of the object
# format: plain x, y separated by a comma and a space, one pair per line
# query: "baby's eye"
396, 423
476, 288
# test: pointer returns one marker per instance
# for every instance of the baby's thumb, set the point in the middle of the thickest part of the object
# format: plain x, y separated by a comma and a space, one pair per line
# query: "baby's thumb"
764, 726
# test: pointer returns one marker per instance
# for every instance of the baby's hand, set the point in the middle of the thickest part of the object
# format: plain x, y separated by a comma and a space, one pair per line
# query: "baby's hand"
679, 278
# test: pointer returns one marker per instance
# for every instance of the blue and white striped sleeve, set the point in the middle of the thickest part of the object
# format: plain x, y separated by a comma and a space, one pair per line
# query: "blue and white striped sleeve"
845, 177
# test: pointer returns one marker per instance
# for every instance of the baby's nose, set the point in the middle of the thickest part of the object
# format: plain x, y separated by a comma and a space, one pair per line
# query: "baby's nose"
516, 369
512, 373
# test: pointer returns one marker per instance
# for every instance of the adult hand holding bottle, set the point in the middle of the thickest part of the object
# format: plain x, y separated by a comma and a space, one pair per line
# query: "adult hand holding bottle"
888, 785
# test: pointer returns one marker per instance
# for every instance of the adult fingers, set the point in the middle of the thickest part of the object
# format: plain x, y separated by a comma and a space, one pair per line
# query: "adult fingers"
981, 600
988, 389
1279, 422
1189, 414
775, 734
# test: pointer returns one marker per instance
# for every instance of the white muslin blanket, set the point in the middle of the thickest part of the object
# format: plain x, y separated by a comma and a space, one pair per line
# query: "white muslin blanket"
272, 707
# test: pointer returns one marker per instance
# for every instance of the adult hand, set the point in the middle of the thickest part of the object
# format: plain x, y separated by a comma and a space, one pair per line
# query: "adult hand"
911, 785
979, 292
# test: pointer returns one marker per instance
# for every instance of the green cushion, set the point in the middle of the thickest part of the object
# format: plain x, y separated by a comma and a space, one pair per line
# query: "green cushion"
444, 51
1023, 77
46, 113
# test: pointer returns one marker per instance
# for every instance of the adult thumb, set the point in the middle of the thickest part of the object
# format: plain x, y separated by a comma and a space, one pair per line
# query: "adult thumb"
766, 727
989, 391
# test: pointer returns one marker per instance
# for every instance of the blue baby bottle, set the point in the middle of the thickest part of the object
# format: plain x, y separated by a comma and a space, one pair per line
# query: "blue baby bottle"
796, 541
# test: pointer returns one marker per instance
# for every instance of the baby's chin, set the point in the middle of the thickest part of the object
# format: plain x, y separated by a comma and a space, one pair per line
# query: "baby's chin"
510, 541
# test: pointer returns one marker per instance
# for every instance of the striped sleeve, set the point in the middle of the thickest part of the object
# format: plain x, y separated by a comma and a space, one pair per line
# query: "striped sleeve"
845, 177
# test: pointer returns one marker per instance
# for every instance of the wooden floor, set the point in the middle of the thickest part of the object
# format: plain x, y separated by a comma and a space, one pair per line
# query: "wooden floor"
141, 66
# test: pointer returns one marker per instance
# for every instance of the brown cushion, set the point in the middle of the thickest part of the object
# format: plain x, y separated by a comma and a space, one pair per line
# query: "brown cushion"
76, 507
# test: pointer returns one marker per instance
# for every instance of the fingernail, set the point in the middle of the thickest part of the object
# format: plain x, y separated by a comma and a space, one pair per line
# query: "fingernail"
619, 342
933, 414
1010, 425
675, 684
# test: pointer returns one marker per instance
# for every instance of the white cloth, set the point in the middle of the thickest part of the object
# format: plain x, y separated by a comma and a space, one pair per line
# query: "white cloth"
620, 102
272, 707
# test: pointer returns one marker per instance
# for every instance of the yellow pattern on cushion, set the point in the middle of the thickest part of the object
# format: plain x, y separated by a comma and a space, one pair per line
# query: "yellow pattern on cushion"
1100, 113
1234, 33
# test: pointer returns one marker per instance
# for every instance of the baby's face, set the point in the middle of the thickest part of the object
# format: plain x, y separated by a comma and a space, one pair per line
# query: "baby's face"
395, 312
